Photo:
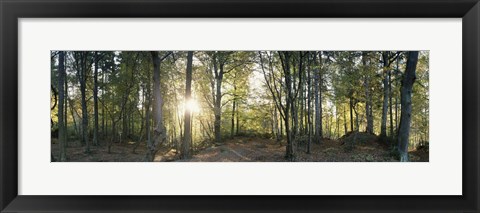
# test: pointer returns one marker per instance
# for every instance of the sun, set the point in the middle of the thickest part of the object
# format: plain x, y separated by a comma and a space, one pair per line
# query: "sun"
192, 106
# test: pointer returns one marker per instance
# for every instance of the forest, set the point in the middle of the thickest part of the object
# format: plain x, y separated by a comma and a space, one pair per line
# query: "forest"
239, 106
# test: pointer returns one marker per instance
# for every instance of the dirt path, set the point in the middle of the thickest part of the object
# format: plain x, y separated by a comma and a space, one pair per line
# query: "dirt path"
242, 149
245, 149
251, 149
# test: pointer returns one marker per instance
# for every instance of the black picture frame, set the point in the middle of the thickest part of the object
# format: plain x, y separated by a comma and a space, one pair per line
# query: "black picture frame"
12, 10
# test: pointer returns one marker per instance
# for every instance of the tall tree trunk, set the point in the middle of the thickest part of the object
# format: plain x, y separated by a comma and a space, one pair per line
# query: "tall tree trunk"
351, 112
187, 116
83, 78
302, 104
76, 128
337, 129
386, 93
396, 99
281, 128
391, 104
218, 69
234, 104
148, 112
368, 100
345, 120
232, 128
309, 107
290, 154
65, 109
95, 101
406, 101
396, 114
277, 126
61, 124
237, 126
318, 100
104, 133
159, 132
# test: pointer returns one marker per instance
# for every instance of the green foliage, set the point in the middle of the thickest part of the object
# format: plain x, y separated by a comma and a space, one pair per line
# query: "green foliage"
126, 93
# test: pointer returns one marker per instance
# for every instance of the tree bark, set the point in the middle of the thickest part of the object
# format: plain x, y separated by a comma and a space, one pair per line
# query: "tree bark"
290, 154
82, 78
368, 100
237, 126
218, 69
234, 105
187, 116
318, 100
159, 132
65, 109
61, 123
406, 102
386, 94
309, 107
232, 129
391, 104
345, 120
95, 101
351, 112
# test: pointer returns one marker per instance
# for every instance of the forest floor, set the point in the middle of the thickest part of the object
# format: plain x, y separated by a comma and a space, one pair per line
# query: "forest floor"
356, 147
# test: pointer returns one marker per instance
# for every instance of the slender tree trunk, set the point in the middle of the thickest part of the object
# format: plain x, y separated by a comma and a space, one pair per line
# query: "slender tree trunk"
368, 100
351, 113
95, 101
83, 77
290, 155
218, 69
77, 132
345, 120
65, 109
61, 125
302, 105
309, 108
391, 104
396, 99
318, 100
187, 116
406, 102
386, 92
104, 134
237, 126
234, 104
396, 114
147, 116
337, 129
281, 127
218, 111
232, 128
277, 127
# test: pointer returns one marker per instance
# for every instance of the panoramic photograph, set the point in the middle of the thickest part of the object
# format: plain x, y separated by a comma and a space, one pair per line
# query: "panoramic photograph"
239, 106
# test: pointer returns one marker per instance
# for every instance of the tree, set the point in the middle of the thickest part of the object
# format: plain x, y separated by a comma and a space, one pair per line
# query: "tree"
406, 102
160, 134
368, 100
278, 83
187, 116
289, 106
387, 59
95, 100
309, 106
317, 82
82, 65
61, 116
293, 98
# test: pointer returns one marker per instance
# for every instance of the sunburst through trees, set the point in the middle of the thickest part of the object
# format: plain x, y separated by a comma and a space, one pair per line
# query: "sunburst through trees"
257, 106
